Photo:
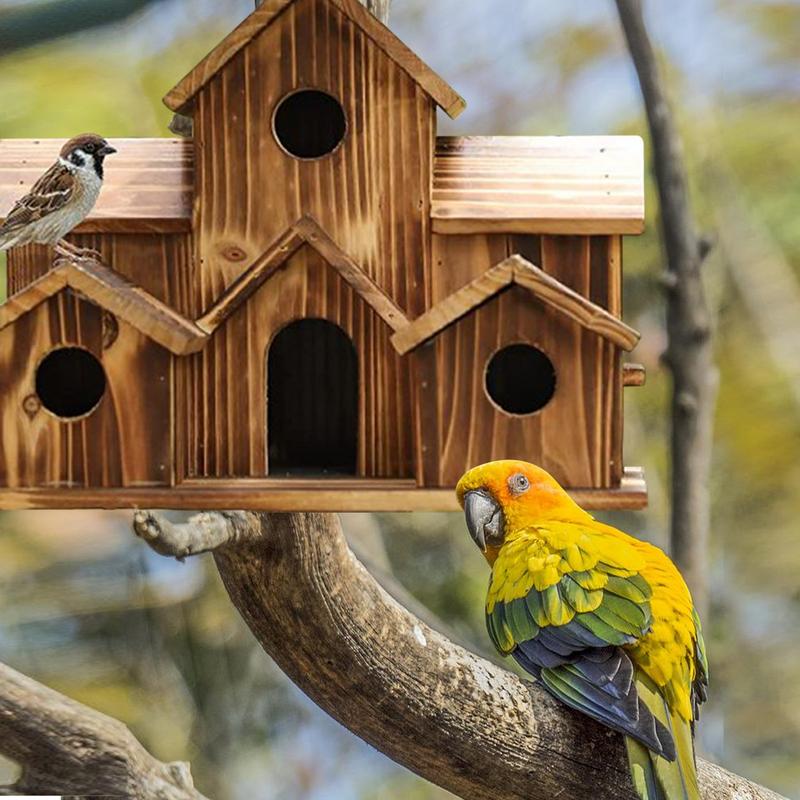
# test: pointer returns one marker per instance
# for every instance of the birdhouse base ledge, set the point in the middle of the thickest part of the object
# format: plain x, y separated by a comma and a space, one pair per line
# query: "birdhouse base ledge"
296, 494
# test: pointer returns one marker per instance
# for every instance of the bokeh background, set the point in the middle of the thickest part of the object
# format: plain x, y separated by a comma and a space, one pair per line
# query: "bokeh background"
88, 610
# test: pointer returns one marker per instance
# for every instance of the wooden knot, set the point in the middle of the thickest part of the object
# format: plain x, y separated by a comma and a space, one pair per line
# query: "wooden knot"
233, 252
31, 405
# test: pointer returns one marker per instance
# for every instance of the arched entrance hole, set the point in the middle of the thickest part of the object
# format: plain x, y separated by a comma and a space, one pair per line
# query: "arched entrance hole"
312, 400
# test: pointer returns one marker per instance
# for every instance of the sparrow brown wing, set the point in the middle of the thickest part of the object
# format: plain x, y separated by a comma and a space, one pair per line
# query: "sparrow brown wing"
48, 194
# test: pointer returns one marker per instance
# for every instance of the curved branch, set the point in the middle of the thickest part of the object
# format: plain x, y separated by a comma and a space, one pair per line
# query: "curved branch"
68, 748
448, 715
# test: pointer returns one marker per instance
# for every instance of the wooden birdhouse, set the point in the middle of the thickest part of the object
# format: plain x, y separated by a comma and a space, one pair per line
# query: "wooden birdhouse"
315, 303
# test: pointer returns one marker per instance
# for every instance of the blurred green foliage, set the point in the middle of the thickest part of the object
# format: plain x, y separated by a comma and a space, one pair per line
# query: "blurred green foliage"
87, 610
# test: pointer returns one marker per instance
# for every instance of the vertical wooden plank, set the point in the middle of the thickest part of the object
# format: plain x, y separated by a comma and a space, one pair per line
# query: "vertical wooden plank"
124, 441
380, 176
236, 411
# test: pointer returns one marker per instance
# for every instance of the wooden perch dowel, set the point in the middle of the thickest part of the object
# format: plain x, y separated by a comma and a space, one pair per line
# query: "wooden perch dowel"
443, 712
64, 747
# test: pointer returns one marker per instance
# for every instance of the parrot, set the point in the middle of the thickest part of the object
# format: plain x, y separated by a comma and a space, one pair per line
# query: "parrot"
602, 620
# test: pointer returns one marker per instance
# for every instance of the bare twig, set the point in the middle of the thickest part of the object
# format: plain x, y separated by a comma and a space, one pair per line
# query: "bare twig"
689, 352
65, 747
448, 715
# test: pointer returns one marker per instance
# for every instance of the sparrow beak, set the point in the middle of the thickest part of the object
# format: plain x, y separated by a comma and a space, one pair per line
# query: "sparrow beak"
484, 517
106, 150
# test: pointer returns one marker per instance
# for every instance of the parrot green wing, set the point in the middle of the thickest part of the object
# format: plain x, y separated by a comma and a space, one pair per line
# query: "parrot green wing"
566, 624
608, 598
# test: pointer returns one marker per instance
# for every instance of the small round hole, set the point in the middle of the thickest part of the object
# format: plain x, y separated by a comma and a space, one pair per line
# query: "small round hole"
70, 382
520, 379
309, 123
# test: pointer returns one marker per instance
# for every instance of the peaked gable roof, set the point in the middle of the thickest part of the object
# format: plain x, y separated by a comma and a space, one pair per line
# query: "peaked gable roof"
515, 270
305, 231
179, 98
113, 292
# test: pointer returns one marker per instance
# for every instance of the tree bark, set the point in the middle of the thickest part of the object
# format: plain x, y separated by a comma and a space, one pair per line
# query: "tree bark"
452, 717
64, 747
689, 354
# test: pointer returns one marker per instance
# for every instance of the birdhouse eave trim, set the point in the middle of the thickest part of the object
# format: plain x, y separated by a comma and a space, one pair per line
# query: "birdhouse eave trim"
112, 292
180, 98
515, 270
306, 231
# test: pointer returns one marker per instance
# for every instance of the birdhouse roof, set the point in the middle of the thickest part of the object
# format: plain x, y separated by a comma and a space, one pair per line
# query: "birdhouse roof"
538, 184
111, 291
505, 184
148, 183
180, 97
515, 270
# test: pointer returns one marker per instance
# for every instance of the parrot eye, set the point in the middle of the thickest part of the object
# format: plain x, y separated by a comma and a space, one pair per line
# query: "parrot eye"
518, 483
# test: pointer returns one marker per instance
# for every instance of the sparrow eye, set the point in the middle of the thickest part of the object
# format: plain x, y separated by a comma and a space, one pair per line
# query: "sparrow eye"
518, 483
89, 148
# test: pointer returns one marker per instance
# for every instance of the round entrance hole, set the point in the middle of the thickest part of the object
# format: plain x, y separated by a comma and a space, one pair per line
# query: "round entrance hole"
520, 379
70, 382
309, 123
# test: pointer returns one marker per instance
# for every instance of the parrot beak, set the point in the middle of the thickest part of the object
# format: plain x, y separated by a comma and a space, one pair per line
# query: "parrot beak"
484, 517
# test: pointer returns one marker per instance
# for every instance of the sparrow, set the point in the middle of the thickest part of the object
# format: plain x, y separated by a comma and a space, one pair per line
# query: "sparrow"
61, 199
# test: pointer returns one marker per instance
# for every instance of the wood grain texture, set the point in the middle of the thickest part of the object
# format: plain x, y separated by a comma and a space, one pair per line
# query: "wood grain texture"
243, 288
573, 304
221, 399
115, 294
288, 494
544, 184
577, 436
161, 264
305, 230
520, 184
455, 306
37, 292
371, 195
515, 270
147, 187
351, 272
125, 441
180, 97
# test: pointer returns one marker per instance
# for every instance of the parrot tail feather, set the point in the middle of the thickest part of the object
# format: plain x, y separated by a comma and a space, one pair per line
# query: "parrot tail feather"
655, 777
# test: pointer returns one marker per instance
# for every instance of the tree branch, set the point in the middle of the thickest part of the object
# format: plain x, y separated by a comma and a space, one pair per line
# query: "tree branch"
448, 715
689, 353
65, 747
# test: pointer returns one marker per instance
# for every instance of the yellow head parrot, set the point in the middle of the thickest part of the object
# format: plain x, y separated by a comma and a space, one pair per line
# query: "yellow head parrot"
603, 620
